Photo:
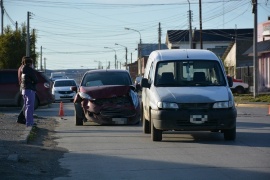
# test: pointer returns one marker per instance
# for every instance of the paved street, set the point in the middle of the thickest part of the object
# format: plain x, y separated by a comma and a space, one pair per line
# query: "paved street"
124, 152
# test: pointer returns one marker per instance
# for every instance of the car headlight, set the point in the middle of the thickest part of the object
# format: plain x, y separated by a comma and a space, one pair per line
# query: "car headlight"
46, 85
224, 104
85, 96
167, 105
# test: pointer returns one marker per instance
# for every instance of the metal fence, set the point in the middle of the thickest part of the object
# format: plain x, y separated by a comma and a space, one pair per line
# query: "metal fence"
246, 74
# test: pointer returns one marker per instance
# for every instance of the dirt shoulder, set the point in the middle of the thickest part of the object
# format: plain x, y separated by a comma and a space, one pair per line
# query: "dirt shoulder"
38, 159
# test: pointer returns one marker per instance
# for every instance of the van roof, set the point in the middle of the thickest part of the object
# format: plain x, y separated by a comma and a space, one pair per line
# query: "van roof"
183, 54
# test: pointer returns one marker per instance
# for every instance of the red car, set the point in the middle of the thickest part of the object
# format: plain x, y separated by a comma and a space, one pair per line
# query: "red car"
10, 90
107, 97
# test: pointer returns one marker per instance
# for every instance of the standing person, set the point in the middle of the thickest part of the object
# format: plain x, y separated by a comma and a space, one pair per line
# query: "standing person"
21, 117
28, 85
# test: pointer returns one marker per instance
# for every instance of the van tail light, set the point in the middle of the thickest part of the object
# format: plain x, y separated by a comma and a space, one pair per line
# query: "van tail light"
46, 85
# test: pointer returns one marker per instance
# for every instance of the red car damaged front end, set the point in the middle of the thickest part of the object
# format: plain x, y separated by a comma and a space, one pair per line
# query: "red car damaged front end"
112, 104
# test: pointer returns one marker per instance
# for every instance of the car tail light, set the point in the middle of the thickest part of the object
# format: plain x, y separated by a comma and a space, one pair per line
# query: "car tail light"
46, 85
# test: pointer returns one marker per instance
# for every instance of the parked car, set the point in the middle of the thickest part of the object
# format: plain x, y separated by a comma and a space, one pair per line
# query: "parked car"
58, 75
187, 90
62, 89
239, 86
107, 97
10, 90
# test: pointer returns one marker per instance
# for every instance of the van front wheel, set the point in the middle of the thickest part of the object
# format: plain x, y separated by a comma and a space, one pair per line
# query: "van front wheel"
156, 134
146, 124
230, 134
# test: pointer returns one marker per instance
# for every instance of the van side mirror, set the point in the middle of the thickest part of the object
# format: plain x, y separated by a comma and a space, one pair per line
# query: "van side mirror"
138, 87
230, 81
144, 83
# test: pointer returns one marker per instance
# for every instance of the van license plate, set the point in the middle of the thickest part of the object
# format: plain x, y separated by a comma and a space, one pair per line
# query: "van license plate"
198, 119
119, 120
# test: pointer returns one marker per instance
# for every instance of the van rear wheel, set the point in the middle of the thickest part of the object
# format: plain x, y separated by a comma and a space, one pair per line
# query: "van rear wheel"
146, 124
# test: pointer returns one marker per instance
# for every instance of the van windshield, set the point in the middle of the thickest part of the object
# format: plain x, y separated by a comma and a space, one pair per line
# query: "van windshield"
189, 73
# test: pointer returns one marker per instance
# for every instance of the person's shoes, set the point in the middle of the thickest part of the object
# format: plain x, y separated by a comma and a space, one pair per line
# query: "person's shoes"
21, 121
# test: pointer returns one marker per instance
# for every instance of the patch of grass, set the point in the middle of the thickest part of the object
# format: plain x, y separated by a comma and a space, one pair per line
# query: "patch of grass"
245, 98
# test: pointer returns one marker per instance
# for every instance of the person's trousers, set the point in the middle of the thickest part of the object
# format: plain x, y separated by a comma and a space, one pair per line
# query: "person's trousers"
29, 104
21, 116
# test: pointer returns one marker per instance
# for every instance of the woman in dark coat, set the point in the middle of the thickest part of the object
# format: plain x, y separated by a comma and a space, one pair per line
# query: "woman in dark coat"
28, 86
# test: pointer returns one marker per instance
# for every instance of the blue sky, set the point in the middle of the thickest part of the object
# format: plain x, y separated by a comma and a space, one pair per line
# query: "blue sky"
73, 34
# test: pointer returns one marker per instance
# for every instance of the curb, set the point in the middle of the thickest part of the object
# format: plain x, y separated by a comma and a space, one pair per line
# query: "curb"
24, 137
252, 105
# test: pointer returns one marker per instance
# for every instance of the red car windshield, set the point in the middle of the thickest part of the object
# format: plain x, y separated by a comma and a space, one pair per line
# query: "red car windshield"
106, 78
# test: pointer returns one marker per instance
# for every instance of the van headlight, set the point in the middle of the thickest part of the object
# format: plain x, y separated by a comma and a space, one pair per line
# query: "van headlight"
224, 104
167, 105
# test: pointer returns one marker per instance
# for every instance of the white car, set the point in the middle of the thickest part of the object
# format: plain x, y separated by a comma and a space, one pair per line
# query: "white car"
62, 89
239, 86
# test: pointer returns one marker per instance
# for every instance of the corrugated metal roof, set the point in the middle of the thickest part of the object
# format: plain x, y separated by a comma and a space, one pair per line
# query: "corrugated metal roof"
148, 48
210, 35
262, 47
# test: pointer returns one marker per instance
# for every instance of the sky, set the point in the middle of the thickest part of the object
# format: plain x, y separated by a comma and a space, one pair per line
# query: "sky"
73, 34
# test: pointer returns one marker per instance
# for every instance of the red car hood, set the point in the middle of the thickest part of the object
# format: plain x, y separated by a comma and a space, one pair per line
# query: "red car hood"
101, 92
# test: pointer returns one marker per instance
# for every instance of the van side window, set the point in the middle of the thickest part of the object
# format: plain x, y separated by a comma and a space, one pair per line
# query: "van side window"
151, 74
165, 73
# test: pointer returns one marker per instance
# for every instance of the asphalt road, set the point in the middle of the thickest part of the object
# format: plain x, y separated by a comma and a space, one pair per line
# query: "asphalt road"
124, 152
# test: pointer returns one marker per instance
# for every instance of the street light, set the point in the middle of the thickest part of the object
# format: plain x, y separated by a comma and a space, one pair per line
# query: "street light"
140, 39
115, 57
139, 51
126, 52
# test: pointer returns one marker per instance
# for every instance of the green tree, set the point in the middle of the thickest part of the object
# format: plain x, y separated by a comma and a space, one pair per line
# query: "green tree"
13, 47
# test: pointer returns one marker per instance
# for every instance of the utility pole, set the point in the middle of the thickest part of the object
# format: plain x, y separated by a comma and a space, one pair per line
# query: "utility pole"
159, 36
130, 58
190, 27
34, 49
2, 17
45, 65
126, 58
255, 62
41, 58
200, 9
28, 35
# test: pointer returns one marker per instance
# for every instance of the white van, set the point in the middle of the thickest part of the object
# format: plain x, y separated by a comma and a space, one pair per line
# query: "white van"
187, 89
